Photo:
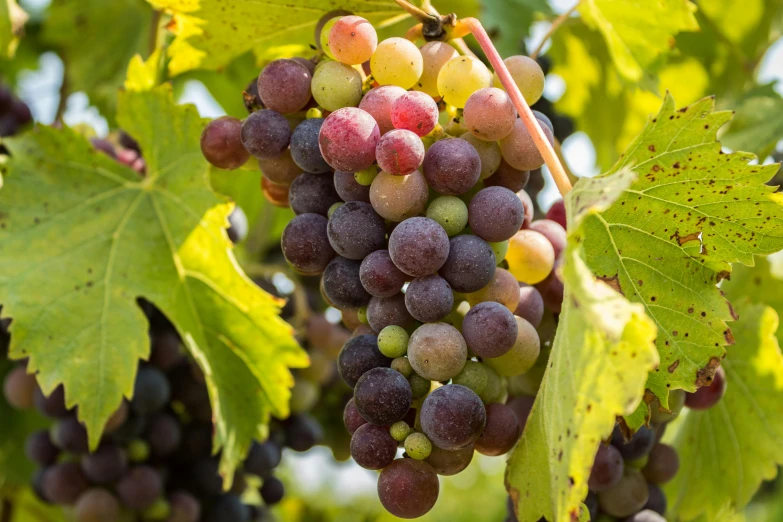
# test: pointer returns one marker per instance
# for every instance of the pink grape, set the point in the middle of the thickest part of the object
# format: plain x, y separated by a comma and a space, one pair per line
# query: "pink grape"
400, 152
348, 139
489, 114
415, 111
284, 86
520, 151
378, 103
352, 40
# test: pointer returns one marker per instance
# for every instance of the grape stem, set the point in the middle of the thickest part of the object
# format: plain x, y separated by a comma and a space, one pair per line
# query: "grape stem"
557, 22
539, 138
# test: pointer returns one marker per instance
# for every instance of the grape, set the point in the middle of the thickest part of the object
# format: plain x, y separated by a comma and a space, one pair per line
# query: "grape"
607, 468
657, 500
263, 458
552, 288
64, 483
529, 208
450, 212
399, 152
117, 418
312, 194
418, 446
397, 198
419, 385
416, 112
324, 27
453, 417
496, 214
708, 396
151, 391
281, 170
284, 86
38, 448
164, 434
228, 508
449, 463
336, 85
508, 177
221, 143
490, 329
266, 134
502, 288
70, 435
386, 311
626, 497
402, 365
342, 285
19, 388
372, 447
419, 246
352, 419
530, 256
348, 139
470, 265
429, 299
106, 465
184, 507
557, 213
489, 114
349, 189
522, 406
531, 304
460, 77
352, 40
437, 351
275, 193
473, 375
501, 431
393, 341
452, 166
662, 465
355, 230
104, 146
435, 55
139, 488
206, 478
520, 151
552, 230
676, 402
639, 446
166, 347
528, 76
645, 516
408, 488
302, 432
272, 491
397, 61
305, 150
382, 396
358, 356
378, 103
489, 154
305, 244
494, 389
522, 356
96, 505
379, 276
544, 120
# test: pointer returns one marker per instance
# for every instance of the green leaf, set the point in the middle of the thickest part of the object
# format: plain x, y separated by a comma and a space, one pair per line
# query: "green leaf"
12, 20
509, 21
97, 237
670, 237
727, 451
758, 123
763, 283
638, 33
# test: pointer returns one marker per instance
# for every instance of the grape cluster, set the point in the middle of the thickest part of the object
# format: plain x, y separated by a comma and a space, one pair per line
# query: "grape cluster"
14, 114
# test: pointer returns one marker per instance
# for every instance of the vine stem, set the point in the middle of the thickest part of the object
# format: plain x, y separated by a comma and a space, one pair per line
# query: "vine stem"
539, 138
557, 22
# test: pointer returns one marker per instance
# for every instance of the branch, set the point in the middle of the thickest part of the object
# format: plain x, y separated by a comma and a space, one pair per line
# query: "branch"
557, 22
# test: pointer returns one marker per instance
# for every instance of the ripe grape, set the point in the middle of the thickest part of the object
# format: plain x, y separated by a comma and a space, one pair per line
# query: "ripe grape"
184, 507
639, 446
97, 505
372, 447
470, 264
228, 508
39, 448
434, 54
607, 468
460, 77
336, 85
662, 465
529, 209
358, 356
284, 86
352, 40
221, 143
708, 396
342, 285
419, 246
530, 256
408, 488
520, 151
275, 193
397, 61
657, 499
324, 27
348, 139
552, 288
393, 341
415, 111
383, 396
489, 154
490, 329
64, 483
19, 388
448, 463
453, 417
528, 76
312, 194
302, 432
557, 213
397, 198
501, 431
399, 152
508, 177
531, 304
522, 356
352, 419
452, 166
379, 276
349, 189
495, 213
305, 244
522, 406
676, 403
70, 435
355, 230
418, 446
627, 496
266, 134
107, 464
489, 114
151, 391
140, 488
429, 299
281, 170
386, 311
263, 458
502, 288
305, 149
378, 103
552, 230
164, 434
272, 491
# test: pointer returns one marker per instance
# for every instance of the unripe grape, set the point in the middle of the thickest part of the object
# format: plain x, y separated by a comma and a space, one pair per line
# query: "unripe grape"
336, 85
528, 76
437, 351
530, 257
450, 212
435, 55
522, 355
352, 40
397, 61
460, 77
418, 446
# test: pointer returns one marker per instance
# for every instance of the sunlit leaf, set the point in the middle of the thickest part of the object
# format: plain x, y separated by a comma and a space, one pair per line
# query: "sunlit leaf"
758, 124
12, 20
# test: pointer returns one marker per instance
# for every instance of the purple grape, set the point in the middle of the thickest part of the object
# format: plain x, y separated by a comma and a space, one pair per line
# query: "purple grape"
266, 134
52, 406
449, 463
342, 285
305, 244
272, 491
452, 166
400, 152
495, 214
639, 446
531, 304
656, 500
281, 170
708, 396
38, 448
227, 508
662, 465
358, 356
372, 447
470, 264
552, 230
557, 213
408, 488
386, 311
349, 189
64, 483
70, 435
508, 177
379, 275
284, 86
151, 391
352, 419
312, 194
164, 434
355, 230
551, 288
501, 431
419, 246
453, 417
383, 396
415, 111
348, 139
607, 468
184, 507
378, 103
97, 505
263, 458
106, 465
221, 143
140, 488
429, 299
305, 149
302, 432
490, 329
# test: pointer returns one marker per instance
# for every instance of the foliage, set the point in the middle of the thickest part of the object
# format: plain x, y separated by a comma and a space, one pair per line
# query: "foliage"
12, 19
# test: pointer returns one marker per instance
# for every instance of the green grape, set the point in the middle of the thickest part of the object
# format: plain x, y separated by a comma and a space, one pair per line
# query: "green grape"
393, 341
419, 385
400, 431
314, 112
402, 365
494, 387
522, 356
336, 85
460, 77
138, 450
450, 212
638, 463
160, 510
397, 61
304, 395
418, 446
361, 313
473, 376
367, 176
528, 76
500, 248
488, 151
324, 38
331, 210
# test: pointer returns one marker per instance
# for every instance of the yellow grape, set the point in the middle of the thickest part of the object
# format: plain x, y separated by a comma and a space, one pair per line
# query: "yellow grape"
336, 85
435, 55
460, 77
530, 256
522, 356
528, 76
397, 61
324, 39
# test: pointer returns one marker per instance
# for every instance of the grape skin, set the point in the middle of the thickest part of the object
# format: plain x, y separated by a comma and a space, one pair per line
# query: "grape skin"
489, 114
342, 285
358, 356
490, 329
352, 419
528, 76
429, 299
676, 403
530, 257
460, 77
528, 204
336, 85
305, 149
164, 434
378, 103
382, 396
557, 213
520, 151
372, 447
552, 230
397, 61
349, 189
379, 276
284, 86
419, 246
453, 417
275, 193
470, 264
708, 396
495, 214
348, 139
52, 406
265, 134
522, 355
448, 463
626, 497
452, 166
435, 55
502, 288
64, 483
397, 198
489, 154
355, 230
281, 170
228, 508
415, 111
399, 152
272, 491
221, 143
106, 465
97, 505
151, 391
352, 40
305, 244
184, 507
312, 194
501, 431
639, 446
552, 288
140, 488
70, 435
39, 448
387, 311
408, 488
508, 177
662, 465
531, 305
607, 468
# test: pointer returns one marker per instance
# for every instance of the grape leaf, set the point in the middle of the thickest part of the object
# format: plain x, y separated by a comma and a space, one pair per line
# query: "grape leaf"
606, 341
727, 451
670, 237
509, 21
12, 20
97, 237
638, 33
758, 123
